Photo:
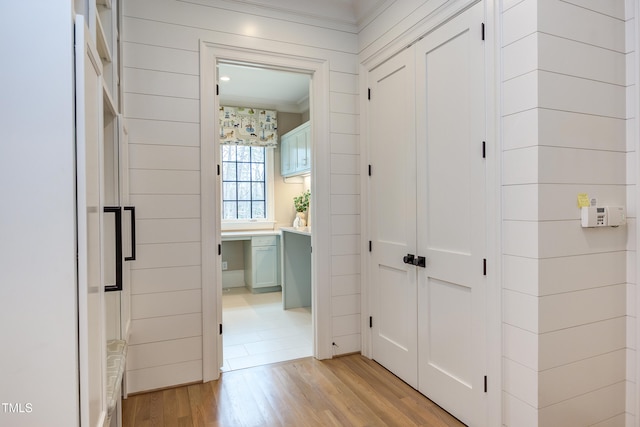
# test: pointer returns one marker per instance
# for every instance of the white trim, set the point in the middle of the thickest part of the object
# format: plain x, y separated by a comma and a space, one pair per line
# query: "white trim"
494, 178
636, 128
365, 277
210, 229
210, 55
493, 96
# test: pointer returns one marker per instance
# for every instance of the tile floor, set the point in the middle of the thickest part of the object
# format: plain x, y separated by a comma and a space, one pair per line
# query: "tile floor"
257, 331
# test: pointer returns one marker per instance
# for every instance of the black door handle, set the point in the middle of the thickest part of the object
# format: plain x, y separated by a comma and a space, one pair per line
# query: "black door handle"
118, 244
132, 209
420, 261
409, 259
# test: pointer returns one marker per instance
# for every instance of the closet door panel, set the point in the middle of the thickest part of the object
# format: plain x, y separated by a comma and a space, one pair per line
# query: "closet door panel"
393, 216
451, 212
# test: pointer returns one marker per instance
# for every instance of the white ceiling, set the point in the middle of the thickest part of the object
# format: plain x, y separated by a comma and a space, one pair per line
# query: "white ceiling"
263, 88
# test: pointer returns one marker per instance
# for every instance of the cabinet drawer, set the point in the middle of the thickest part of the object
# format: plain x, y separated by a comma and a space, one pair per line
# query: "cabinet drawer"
263, 241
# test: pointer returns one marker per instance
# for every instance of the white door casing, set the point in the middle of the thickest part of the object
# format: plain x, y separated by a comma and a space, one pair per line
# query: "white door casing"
127, 243
452, 216
393, 216
318, 69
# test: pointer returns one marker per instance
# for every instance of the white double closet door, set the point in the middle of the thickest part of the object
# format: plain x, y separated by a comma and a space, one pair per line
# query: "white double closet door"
427, 199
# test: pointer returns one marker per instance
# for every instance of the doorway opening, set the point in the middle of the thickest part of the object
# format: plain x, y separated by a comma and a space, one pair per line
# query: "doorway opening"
317, 71
265, 166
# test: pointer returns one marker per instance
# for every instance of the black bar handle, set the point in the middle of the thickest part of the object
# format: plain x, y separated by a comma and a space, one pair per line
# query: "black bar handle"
118, 212
133, 233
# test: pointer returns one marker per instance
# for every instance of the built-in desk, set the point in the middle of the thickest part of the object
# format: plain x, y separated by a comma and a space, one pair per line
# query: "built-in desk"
296, 267
261, 258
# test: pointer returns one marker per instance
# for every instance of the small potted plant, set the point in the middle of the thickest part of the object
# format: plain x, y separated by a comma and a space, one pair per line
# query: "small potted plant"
301, 204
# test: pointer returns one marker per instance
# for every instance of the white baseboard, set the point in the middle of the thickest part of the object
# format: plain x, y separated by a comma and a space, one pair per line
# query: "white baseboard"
233, 279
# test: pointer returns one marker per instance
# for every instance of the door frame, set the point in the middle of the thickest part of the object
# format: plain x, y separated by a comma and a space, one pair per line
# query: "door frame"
493, 175
318, 69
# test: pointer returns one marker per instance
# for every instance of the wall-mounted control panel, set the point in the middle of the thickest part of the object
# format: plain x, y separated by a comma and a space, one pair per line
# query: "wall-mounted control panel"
603, 216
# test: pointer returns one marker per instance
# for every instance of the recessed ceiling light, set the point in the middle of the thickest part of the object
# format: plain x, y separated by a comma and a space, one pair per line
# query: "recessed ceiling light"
225, 78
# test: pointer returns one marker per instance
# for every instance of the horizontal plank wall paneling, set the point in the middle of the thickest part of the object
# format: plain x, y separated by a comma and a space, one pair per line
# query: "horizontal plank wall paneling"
217, 18
165, 157
164, 376
565, 287
162, 83
161, 206
159, 59
163, 353
158, 304
185, 37
156, 329
163, 133
168, 230
165, 279
162, 108
161, 41
155, 181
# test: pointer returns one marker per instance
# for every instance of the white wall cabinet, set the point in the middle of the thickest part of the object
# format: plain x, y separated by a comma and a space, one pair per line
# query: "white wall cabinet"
261, 272
107, 321
295, 151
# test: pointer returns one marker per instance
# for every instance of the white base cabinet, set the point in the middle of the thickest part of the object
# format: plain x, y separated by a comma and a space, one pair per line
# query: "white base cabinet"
261, 273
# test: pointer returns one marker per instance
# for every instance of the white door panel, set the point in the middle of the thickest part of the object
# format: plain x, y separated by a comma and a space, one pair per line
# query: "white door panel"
451, 200
91, 333
393, 210
427, 198
449, 320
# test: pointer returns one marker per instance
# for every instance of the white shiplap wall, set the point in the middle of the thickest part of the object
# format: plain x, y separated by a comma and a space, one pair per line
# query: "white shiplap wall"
565, 288
161, 103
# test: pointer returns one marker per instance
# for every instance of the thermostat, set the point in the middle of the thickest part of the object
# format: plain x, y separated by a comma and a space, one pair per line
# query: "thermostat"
603, 216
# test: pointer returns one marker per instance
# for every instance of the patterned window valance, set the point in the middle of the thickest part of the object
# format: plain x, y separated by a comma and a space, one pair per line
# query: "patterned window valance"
248, 126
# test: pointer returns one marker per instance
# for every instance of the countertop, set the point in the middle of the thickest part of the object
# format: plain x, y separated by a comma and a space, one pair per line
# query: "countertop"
246, 235
299, 230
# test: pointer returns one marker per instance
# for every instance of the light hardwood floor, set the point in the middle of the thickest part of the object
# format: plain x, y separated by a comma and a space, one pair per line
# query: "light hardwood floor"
345, 391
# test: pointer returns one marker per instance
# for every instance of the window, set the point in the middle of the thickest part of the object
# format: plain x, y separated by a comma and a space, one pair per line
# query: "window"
244, 183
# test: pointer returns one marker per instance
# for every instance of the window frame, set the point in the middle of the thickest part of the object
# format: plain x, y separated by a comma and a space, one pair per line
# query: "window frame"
267, 223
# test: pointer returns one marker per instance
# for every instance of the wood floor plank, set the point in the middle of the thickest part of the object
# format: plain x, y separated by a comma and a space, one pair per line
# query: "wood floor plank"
384, 397
128, 411
410, 401
265, 401
156, 409
170, 399
342, 398
345, 391
143, 408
